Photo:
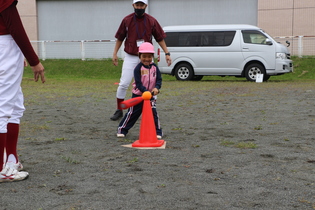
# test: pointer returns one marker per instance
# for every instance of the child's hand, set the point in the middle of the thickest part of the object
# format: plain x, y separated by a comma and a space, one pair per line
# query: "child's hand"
155, 91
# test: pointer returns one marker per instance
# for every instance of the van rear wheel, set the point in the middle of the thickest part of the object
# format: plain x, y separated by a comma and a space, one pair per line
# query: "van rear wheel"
253, 69
184, 72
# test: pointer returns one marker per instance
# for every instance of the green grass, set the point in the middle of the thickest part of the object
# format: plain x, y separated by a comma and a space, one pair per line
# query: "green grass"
76, 78
76, 69
304, 69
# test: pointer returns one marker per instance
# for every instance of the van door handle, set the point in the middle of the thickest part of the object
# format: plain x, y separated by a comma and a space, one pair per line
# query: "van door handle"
245, 48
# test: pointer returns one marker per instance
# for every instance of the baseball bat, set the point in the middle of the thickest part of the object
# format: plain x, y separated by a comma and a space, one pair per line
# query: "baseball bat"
130, 102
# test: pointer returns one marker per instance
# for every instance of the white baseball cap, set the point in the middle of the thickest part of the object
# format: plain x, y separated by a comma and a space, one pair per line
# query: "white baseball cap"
143, 1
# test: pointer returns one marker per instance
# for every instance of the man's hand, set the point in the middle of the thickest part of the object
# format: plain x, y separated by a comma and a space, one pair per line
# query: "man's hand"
39, 72
115, 60
168, 60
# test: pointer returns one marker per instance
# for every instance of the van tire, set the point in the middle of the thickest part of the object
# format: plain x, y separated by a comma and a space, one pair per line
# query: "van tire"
197, 77
253, 69
184, 72
266, 77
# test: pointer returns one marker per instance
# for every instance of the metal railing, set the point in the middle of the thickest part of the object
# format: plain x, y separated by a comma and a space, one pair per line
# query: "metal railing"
83, 49
299, 45
101, 49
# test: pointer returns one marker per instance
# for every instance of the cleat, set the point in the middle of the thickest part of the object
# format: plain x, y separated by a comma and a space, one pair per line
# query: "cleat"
18, 176
10, 172
16, 166
118, 114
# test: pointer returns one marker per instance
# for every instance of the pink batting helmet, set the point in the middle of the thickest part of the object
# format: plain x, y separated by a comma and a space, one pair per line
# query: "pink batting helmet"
146, 47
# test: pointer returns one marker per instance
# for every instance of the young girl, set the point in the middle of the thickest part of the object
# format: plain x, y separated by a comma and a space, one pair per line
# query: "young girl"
147, 78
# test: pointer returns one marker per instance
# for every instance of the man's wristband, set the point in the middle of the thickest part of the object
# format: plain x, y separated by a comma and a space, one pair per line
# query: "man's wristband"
167, 53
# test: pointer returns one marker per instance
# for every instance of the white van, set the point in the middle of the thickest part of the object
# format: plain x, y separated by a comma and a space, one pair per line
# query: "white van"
223, 50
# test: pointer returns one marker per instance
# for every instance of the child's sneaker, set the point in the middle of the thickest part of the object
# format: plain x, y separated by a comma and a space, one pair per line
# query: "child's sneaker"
159, 137
120, 135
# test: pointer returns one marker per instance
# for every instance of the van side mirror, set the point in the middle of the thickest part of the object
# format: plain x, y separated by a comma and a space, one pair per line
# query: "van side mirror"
268, 42
288, 43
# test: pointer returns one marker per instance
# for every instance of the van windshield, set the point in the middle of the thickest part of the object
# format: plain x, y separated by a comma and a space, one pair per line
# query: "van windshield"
199, 39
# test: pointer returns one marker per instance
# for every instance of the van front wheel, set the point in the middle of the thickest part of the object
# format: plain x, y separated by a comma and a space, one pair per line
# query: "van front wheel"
252, 70
184, 72
197, 77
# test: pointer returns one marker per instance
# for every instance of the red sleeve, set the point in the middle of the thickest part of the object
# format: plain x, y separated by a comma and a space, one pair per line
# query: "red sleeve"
12, 21
121, 33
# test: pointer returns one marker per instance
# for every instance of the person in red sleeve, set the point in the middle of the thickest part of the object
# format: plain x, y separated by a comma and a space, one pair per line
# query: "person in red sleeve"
14, 48
135, 29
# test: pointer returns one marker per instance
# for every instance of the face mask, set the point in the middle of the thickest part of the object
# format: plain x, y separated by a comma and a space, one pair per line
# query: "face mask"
139, 12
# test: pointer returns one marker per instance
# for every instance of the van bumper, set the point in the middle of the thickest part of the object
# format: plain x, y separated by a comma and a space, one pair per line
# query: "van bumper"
282, 67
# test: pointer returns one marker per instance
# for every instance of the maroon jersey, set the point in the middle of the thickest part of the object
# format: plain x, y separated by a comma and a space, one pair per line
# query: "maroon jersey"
5, 4
133, 29
10, 23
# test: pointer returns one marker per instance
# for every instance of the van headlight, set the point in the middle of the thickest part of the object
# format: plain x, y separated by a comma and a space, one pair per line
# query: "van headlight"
281, 56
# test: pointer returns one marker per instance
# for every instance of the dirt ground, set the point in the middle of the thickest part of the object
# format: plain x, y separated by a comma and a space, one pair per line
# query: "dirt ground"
229, 145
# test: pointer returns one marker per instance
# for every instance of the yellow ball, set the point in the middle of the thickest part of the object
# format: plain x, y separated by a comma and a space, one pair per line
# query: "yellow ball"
146, 95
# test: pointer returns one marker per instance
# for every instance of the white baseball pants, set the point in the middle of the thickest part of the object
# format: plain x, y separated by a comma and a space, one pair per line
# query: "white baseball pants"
11, 73
129, 64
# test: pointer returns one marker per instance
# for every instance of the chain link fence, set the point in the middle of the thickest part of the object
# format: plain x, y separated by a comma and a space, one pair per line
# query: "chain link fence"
102, 49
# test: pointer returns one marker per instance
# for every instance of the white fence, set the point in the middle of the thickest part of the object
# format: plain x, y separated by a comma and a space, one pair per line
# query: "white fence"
84, 49
299, 45
101, 49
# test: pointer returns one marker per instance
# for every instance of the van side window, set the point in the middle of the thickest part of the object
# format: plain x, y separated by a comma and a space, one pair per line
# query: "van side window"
199, 39
254, 37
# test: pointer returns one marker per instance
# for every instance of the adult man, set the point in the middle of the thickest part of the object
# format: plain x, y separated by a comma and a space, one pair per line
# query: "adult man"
135, 29
14, 45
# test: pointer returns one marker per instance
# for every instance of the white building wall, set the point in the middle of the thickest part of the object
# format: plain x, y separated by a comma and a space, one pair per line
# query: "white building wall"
99, 20
185, 12
28, 13
78, 20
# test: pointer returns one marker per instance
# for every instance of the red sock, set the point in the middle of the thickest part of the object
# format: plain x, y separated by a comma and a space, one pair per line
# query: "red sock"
118, 102
3, 140
12, 139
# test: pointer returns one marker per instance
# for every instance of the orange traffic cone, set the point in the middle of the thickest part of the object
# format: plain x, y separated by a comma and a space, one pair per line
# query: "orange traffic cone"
147, 136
